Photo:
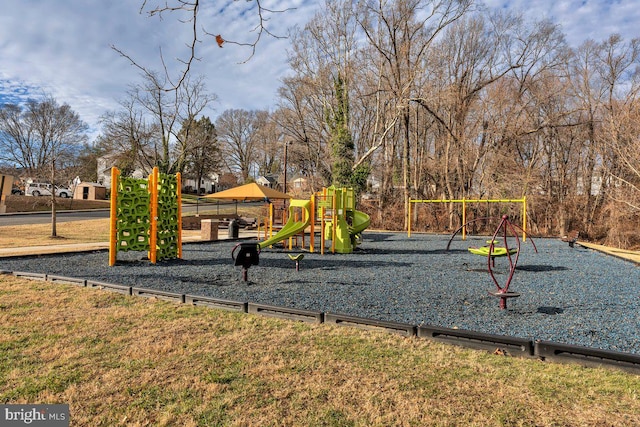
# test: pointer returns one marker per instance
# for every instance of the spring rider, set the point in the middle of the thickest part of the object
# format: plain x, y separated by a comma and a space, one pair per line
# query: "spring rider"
248, 255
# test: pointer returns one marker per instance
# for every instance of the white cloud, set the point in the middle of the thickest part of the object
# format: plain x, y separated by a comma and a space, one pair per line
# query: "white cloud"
63, 47
581, 19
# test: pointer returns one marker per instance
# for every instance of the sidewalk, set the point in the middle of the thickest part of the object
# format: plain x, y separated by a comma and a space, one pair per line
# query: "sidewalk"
633, 256
189, 237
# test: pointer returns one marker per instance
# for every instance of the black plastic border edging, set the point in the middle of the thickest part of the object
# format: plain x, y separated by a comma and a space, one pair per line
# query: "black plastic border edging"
286, 313
564, 353
154, 293
109, 287
403, 329
477, 340
66, 280
544, 350
32, 276
216, 303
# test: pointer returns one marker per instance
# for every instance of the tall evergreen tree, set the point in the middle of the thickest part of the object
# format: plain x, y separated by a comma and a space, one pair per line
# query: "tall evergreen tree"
341, 142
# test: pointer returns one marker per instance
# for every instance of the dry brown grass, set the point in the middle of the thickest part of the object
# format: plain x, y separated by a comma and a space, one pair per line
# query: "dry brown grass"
96, 230
119, 360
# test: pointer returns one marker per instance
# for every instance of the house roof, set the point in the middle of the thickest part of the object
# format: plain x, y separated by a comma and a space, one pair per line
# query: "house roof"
272, 179
90, 184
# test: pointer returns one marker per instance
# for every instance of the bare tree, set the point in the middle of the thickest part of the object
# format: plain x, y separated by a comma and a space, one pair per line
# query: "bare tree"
192, 102
40, 137
300, 119
128, 139
238, 132
149, 129
402, 33
269, 144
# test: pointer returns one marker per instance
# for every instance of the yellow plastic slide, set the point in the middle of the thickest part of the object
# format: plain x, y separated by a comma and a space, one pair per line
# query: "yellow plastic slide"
292, 227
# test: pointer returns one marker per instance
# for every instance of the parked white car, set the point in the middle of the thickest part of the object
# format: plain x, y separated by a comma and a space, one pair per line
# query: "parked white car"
43, 189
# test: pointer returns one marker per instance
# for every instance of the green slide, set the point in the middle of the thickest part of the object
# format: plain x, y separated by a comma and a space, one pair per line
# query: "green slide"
292, 227
346, 234
360, 222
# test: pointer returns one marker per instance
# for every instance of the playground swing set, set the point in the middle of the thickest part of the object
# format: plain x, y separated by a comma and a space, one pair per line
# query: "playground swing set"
464, 202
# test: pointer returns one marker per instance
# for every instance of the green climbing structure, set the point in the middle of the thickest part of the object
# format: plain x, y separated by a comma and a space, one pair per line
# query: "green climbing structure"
133, 217
146, 216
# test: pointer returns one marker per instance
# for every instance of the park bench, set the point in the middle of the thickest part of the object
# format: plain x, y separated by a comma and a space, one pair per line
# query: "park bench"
571, 237
247, 222
243, 222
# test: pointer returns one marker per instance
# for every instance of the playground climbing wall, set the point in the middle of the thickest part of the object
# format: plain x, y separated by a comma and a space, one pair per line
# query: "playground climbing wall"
145, 216
133, 217
168, 217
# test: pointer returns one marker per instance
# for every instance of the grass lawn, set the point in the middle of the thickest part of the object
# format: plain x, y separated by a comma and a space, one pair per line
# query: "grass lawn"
120, 360
95, 230
129, 361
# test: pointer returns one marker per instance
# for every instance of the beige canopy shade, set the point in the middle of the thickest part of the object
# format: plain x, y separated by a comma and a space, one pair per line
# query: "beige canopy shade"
249, 192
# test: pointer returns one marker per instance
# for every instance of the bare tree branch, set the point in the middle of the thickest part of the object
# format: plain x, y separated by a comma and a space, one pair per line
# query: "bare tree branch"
192, 10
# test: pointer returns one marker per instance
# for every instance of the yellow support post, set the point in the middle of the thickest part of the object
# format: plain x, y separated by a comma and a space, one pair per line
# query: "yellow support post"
153, 232
179, 201
323, 212
524, 218
334, 220
409, 220
113, 212
464, 220
312, 240
270, 221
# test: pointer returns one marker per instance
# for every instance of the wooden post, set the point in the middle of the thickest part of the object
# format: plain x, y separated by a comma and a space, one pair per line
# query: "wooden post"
409, 220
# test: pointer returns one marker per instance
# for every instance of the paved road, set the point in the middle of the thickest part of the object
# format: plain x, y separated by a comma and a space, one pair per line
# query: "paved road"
66, 216
45, 217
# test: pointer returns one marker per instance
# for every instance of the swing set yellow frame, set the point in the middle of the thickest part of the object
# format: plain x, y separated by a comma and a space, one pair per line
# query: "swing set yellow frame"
464, 211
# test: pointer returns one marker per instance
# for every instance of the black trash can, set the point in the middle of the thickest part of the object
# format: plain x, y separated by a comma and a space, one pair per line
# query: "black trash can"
234, 229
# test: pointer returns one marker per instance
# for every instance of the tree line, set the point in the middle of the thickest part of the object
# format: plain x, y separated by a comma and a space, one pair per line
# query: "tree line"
418, 99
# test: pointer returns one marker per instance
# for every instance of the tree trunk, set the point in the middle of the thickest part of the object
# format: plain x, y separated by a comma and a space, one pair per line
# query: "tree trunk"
54, 232
406, 166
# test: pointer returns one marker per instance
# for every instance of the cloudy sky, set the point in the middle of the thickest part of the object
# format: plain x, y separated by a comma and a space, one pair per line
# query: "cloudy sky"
64, 48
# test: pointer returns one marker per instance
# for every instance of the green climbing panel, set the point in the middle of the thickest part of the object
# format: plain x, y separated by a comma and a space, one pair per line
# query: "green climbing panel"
142, 209
133, 217
167, 229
